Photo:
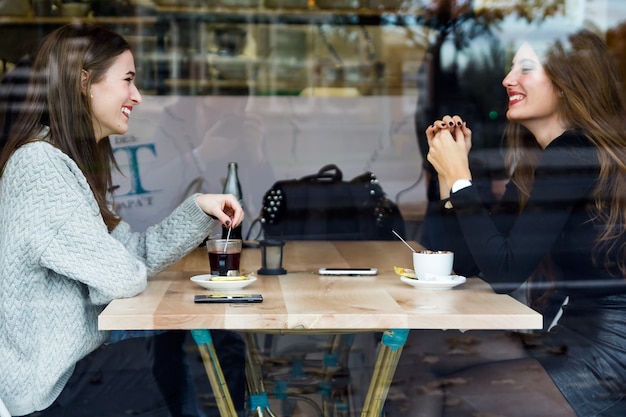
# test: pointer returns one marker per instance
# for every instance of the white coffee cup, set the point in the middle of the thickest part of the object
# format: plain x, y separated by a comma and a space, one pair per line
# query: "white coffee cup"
432, 264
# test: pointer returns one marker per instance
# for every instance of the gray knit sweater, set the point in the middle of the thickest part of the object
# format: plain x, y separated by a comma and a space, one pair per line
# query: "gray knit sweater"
59, 267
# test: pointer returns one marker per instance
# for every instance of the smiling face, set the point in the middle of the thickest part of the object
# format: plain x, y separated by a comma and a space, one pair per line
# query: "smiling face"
532, 97
113, 97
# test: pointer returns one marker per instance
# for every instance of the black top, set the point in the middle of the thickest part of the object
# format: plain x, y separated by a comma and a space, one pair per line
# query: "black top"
506, 245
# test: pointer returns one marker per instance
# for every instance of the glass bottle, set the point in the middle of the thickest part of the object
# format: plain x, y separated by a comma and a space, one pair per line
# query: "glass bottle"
232, 186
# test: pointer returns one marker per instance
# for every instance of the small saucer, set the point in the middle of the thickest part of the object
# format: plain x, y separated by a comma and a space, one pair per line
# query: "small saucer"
441, 283
223, 283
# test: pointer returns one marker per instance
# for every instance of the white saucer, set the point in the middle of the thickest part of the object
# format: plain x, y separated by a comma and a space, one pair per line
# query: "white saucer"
205, 281
441, 283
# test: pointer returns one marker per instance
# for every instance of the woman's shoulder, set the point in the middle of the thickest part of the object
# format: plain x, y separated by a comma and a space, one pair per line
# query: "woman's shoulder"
571, 138
40, 155
572, 147
40, 173
37, 148
42, 163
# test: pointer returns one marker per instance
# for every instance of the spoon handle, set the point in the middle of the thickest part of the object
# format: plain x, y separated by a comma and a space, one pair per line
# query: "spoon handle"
227, 237
403, 241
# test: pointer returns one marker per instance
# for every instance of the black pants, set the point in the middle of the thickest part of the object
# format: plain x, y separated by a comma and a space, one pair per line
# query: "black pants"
138, 375
585, 355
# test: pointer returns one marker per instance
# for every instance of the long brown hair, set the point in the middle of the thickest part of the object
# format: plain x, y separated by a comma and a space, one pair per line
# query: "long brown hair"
593, 102
55, 99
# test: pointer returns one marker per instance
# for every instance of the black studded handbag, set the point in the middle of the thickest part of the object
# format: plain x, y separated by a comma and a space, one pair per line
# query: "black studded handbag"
323, 206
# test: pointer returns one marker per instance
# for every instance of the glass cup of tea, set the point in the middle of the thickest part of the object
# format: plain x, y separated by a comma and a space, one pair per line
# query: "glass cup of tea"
224, 256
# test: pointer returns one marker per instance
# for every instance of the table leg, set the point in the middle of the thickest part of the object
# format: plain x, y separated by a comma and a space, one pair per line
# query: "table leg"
386, 362
214, 371
259, 403
336, 385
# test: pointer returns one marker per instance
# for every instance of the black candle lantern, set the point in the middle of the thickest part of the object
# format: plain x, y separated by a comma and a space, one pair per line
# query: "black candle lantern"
272, 257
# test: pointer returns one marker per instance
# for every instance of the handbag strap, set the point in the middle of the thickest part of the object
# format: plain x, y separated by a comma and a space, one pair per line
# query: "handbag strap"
327, 173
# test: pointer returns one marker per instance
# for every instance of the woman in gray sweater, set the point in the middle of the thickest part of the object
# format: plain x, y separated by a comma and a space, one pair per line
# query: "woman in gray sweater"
64, 253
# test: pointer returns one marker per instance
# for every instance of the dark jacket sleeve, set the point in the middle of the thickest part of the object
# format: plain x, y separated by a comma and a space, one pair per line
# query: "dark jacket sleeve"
506, 245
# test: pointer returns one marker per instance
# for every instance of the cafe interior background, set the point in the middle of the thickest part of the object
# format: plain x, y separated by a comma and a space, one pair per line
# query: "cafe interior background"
283, 87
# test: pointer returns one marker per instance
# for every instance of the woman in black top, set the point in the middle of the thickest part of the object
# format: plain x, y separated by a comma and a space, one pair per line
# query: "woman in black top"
561, 224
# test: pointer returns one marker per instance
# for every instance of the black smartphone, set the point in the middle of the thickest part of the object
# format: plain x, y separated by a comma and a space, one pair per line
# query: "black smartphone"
228, 298
348, 271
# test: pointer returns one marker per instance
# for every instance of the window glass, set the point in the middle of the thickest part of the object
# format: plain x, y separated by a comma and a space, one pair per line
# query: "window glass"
285, 87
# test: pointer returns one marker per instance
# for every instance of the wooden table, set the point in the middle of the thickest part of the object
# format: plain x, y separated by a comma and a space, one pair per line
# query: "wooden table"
302, 301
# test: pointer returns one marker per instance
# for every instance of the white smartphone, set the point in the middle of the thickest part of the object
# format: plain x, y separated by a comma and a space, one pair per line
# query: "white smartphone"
348, 271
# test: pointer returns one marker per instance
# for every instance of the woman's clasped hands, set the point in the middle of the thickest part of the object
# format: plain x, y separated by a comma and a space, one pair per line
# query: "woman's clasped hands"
449, 141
